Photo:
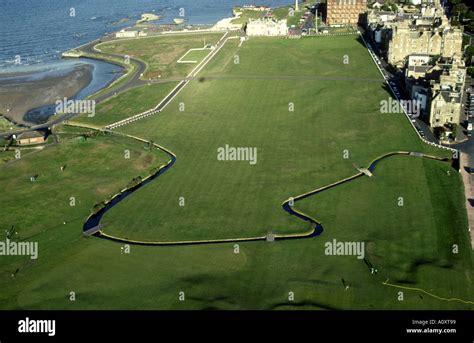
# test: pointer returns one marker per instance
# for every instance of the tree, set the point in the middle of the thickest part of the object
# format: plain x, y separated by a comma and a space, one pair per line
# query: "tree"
469, 54
460, 9
470, 71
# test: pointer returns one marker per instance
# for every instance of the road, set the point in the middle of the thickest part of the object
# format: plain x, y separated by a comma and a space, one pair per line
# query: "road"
131, 82
465, 148
396, 80
158, 108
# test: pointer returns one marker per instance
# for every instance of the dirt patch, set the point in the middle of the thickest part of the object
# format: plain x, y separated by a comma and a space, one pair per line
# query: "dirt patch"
18, 96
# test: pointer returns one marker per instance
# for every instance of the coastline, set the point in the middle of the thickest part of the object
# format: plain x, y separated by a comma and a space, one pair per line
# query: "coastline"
20, 96
20, 93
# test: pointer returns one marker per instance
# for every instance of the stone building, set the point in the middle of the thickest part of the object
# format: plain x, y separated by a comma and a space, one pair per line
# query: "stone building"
31, 137
414, 30
267, 27
446, 95
408, 39
445, 108
345, 12
438, 86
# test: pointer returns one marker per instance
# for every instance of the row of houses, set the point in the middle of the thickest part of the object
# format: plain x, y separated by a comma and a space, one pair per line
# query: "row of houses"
438, 85
345, 12
421, 42
413, 30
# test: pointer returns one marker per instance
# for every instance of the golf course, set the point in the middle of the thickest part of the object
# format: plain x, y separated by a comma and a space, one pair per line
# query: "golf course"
310, 109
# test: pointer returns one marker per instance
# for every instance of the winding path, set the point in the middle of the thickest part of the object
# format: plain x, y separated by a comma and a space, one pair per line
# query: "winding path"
92, 225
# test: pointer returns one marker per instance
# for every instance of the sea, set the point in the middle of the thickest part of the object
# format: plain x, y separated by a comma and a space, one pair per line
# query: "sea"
36, 32
40, 30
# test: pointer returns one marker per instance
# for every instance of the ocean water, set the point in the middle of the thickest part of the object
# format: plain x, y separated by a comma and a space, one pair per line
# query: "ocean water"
39, 31
102, 75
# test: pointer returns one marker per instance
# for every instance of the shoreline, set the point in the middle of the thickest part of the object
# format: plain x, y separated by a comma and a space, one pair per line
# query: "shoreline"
20, 94
25, 96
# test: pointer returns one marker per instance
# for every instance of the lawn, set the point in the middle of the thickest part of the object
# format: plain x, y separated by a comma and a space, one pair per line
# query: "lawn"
292, 17
194, 56
126, 104
6, 156
315, 57
279, 14
161, 53
247, 15
6, 125
336, 109
298, 151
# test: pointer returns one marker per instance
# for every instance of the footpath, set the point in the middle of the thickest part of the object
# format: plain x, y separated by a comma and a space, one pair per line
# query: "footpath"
468, 190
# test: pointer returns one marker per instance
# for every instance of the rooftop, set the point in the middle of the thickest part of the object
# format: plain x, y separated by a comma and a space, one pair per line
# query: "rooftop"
30, 134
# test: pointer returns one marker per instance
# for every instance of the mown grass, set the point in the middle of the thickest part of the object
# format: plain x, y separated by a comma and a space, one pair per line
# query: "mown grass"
6, 125
126, 104
300, 151
161, 53
195, 55
297, 151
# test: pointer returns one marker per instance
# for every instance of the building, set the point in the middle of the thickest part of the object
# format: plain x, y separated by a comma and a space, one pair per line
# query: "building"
438, 86
445, 108
256, 8
421, 39
31, 137
446, 94
345, 12
267, 27
427, 31
130, 34
417, 66
414, 30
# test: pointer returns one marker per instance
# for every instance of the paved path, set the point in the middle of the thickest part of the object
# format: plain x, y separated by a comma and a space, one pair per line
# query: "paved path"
133, 81
469, 193
158, 108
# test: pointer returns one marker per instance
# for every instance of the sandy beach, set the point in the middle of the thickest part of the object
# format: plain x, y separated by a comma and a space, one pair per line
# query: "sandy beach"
19, 95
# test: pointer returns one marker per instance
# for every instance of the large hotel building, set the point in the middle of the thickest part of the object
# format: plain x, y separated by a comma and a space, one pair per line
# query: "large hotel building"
345, 12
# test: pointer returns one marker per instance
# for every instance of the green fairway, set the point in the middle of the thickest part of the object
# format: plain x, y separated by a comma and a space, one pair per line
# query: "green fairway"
161, 53
311, 118
6, 156
318, 57
298, 151
291, 158
194, 56
127, 104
